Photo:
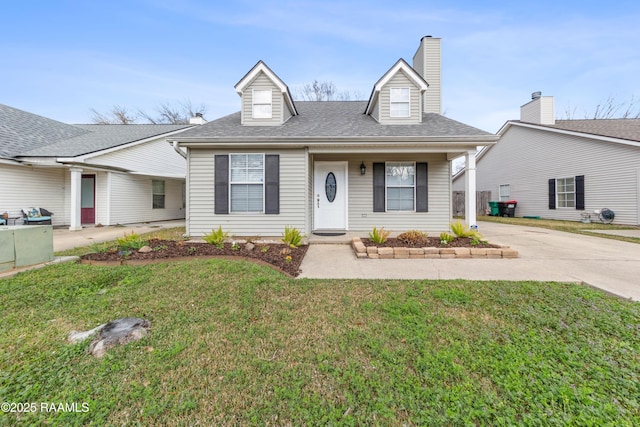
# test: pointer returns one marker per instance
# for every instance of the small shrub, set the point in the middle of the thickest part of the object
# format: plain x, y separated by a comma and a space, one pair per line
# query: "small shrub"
100, 248
130, 242
413, 237
192, 250
264, 249
379, 237
292, 237
235, 246
216, 237
477, 240
446, 238
461, 231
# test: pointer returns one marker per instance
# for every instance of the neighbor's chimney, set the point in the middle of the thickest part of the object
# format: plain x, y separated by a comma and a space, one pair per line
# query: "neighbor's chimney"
540, 110
197, 120
427, 62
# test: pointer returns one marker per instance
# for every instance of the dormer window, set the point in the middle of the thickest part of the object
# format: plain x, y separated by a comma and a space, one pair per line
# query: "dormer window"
262, 104
399, 97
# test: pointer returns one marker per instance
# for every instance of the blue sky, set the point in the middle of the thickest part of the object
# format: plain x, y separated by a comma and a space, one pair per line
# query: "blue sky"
61, 58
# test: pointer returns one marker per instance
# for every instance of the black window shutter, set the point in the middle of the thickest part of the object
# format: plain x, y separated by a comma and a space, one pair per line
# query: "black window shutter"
378, 187
552, 193
221, 184
272, 184
579, 192
422, 193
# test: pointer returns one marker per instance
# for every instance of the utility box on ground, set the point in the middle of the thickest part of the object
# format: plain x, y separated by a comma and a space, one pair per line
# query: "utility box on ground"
22, 245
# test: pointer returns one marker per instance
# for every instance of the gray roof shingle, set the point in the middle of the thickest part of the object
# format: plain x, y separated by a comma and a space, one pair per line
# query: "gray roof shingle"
101, 137
21, 131
615, 128
330, 119
24, 134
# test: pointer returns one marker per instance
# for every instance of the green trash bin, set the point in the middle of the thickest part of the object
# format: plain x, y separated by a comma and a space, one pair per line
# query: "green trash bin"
495, 211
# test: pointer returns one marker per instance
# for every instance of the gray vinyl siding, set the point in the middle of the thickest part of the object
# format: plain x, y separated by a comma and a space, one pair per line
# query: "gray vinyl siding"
360, 204
138, 158
376, 110
26, 186
540, 110
294, 197
262, 82
427, 62
399, 80
527, 158
132, 201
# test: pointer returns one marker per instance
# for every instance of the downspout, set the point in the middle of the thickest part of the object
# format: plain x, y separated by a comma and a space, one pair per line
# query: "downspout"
178, 150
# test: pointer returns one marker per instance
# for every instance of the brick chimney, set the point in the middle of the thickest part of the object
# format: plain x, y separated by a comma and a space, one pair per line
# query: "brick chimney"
540, 110
427, 62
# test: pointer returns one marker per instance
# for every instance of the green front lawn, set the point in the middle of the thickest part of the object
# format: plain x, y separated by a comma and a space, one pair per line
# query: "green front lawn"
233, 343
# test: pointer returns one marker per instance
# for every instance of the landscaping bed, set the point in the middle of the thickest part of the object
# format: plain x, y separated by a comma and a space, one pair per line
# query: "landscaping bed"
461, 247
277, 255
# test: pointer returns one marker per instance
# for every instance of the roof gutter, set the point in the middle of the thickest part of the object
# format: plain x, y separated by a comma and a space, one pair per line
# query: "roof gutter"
176, 147
363, 140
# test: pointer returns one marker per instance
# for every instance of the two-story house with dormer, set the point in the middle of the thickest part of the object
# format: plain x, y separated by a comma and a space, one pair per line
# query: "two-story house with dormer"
332, 166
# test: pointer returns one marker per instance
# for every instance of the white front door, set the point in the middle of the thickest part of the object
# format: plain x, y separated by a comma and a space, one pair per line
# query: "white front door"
330, 196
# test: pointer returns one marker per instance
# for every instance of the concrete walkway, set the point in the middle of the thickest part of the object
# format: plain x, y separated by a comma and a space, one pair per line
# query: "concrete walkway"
545, 255
64, 239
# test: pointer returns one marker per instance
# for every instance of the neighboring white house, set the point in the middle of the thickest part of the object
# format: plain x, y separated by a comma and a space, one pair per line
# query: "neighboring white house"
89, 174
330, 166
560, 169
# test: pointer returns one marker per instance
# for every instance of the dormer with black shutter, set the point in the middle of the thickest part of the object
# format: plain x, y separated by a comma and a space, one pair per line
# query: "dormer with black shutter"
397, 97
266, 100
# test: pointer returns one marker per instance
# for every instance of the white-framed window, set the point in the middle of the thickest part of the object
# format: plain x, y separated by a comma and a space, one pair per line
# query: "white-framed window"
505, 192
157, 194
262, 104
399, 98
246, 181
400, 181
566, 192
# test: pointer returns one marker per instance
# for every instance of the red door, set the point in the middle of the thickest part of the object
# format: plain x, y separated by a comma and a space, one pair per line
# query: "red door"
88, 199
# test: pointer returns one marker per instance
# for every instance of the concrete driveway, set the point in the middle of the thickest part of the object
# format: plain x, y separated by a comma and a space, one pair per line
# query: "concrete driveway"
64, 239
545, 255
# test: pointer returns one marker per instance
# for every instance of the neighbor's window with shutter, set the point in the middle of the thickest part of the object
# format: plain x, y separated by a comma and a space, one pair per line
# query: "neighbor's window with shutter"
158, 194
262, 104
400, 185
399, 97
565, 192
247, 182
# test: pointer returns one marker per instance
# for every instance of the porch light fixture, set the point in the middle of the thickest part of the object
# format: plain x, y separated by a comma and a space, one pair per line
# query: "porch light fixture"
363, 168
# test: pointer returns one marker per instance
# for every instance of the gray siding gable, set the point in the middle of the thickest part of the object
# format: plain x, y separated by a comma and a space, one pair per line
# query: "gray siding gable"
401, 74
262, 77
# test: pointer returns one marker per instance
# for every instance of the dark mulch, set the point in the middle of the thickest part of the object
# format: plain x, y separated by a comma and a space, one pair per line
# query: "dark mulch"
280, 256
459, 242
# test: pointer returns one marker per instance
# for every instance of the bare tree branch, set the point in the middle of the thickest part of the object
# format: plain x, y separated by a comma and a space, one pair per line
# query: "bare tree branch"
166, 113
117, 116
322, 91
610, 109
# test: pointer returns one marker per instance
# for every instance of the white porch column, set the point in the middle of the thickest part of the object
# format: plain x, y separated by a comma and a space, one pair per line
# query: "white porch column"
76, 196
470, 188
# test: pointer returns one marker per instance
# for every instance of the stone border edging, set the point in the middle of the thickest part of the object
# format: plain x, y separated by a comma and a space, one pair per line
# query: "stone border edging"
374, 252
